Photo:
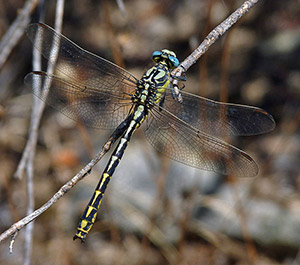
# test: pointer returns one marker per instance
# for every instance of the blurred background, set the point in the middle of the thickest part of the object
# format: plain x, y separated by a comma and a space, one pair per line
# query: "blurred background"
157, 211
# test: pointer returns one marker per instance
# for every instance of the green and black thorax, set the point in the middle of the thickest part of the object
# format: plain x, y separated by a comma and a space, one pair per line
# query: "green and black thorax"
152, 86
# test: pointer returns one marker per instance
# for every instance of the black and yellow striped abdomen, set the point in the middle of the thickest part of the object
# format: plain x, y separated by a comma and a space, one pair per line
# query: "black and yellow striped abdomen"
89, 215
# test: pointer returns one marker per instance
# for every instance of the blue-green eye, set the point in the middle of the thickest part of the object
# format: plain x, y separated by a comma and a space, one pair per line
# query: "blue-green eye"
174, 61
156, 53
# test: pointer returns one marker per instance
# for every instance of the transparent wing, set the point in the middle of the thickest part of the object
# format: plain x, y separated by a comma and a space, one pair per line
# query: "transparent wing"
181, 142
92, 83
219, 119
90, 106
77, 64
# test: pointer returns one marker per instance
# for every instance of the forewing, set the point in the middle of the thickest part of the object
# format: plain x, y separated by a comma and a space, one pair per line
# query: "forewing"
219, 119
78, 65
91, 106
181, 142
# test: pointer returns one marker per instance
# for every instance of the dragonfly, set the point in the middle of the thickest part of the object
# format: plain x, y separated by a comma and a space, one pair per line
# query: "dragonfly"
99, 94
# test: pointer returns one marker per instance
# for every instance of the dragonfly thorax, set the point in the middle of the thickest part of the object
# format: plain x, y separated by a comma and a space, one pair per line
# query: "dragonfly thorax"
152, 86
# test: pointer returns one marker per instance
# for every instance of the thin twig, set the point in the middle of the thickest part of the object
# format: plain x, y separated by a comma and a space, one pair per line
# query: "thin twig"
37, 64
26, 162
211, 38
113, 43
122, 7
38, 105
12, 241
64, 189
16, 30
203, 64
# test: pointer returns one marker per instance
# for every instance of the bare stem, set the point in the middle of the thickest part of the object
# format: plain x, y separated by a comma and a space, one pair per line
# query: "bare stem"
26, 162
64, 189
16, 30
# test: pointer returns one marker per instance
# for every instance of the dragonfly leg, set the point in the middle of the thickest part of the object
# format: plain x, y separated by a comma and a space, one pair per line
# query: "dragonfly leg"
179, 78
175, 90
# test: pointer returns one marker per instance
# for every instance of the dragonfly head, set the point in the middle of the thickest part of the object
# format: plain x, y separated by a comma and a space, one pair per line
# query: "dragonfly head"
167, 57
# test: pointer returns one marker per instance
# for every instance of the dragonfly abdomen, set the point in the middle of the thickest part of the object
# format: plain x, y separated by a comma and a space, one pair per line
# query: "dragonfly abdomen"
90, 213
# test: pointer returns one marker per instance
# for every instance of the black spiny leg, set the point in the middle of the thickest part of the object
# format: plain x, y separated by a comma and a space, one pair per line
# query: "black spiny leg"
175, 90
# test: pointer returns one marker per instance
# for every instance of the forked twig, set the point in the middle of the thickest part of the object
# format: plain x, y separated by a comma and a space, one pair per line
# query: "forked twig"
64, 189
26, 163
38, 105
184, 66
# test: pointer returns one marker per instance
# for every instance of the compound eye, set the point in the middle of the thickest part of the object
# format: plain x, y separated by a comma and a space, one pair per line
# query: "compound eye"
156, 53
174, 61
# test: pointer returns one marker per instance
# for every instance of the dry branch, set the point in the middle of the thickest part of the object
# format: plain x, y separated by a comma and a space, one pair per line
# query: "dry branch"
64, 189
26, 163
16, 30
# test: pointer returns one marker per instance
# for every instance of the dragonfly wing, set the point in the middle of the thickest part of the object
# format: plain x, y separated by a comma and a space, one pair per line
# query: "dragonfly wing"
219, 119
78, 65
181, 142
91, 106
